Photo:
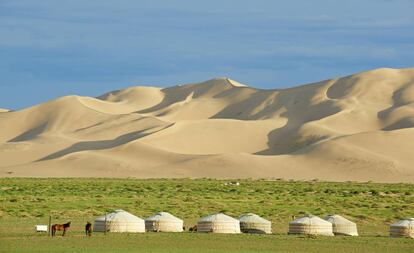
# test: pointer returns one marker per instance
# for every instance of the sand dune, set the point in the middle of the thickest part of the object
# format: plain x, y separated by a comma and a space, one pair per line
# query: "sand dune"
359, 127
217, 136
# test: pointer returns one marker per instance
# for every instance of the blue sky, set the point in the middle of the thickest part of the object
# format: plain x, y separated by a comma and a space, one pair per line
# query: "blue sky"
51, 48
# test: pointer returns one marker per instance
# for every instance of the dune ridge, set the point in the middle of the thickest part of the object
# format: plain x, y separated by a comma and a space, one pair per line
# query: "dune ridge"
358, 127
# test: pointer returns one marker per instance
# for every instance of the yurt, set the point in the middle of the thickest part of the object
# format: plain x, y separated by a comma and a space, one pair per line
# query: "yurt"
342, 226
311, 225
218, 223
164, 222
119, 221
254, 224
403, 228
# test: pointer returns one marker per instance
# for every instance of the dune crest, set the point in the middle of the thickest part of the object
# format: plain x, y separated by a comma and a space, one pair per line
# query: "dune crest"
358, 127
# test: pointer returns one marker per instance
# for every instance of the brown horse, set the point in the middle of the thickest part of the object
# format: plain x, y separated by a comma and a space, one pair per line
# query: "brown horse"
60, 227
88, 229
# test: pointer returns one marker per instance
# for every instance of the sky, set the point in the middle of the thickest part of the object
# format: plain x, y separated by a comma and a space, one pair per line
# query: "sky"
53, 48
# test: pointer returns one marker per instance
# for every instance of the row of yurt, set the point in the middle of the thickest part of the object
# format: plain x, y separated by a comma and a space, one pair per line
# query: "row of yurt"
331, 225
221, 223
122, 221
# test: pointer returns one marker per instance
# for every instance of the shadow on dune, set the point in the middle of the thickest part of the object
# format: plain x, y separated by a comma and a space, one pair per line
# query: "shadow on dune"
99, 145
401, 124
178, 94
215, 88
170, 97
246, 109
288, 138
297, 106
30, 134
398, 102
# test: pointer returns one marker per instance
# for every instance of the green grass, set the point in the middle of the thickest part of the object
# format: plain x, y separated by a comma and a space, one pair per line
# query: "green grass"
193, 242
26, 202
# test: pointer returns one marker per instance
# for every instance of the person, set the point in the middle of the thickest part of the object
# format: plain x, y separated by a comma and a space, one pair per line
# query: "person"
88, 229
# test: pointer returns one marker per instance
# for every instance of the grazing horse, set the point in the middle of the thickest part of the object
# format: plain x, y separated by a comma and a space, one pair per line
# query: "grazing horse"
88, 229
60, 227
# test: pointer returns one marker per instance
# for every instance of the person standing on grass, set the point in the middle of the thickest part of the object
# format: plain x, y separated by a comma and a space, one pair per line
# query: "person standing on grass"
88, 229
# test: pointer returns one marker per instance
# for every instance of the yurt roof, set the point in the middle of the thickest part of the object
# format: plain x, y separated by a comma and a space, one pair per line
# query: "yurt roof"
338, 219
218, 217
119, 215
408, 222
163, 216
251, 217
310, 220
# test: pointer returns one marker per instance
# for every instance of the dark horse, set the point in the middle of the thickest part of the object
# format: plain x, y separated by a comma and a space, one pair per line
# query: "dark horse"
88, 229
60, 227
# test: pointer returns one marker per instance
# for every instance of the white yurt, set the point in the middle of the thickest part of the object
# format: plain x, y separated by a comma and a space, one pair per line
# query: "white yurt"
119, 221
164, 222
342, 226
218, 223
254, 224
311, 225
402, 228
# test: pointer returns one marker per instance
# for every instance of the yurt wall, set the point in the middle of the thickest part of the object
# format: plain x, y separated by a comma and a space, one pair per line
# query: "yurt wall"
403, 228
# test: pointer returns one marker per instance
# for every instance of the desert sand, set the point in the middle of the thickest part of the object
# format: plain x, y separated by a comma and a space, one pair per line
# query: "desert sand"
355, 128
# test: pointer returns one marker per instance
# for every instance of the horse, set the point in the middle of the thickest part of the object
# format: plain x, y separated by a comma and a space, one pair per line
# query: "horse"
88, 229
60, 227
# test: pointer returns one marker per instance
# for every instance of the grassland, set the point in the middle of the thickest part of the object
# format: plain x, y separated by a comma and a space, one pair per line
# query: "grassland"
26, 202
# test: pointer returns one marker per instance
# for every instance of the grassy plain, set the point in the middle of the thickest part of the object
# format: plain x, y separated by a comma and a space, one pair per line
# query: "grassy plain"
25, 202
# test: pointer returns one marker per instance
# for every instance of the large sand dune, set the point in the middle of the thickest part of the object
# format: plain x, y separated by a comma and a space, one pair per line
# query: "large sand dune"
359, 127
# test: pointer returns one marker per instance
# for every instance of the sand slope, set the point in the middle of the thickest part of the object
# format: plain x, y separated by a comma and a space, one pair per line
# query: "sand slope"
359, 127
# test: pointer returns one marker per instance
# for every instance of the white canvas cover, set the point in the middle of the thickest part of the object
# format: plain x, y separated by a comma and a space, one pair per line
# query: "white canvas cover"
311, 225
119, 221
41, 228
403, 228
164, 222
253, 223
342, 226
218, 223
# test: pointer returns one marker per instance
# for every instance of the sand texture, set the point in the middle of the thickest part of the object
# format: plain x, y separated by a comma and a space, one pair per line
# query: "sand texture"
358, 127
